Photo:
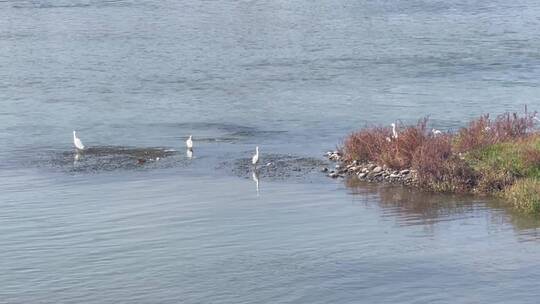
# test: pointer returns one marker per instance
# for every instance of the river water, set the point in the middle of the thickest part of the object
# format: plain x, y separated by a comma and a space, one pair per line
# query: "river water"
135, 78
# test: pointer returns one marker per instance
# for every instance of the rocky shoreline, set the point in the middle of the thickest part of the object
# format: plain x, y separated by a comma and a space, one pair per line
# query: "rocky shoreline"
369, 172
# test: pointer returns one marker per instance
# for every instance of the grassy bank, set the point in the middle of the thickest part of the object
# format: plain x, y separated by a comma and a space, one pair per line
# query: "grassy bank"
499, 156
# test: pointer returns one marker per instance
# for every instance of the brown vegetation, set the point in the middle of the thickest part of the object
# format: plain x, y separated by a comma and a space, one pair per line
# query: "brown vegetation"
487, 156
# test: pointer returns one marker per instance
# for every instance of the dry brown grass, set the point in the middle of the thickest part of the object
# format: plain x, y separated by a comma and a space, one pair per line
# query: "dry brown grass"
483, 131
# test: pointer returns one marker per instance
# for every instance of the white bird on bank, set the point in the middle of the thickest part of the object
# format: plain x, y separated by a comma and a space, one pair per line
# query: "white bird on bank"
77, 142
394, 132
189, 143
255, 158
436, 132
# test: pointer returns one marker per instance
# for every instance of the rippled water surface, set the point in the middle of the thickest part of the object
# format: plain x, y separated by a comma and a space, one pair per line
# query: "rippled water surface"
135, 219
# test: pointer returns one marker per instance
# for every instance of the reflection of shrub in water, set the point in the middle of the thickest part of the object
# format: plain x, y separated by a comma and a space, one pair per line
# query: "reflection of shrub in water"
415, 207
408, 201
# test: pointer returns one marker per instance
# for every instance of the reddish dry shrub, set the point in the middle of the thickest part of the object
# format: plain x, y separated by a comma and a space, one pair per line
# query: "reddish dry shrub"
377, 145
475, 135
483, 132
511, 126
402, 150
366, 144
439, 170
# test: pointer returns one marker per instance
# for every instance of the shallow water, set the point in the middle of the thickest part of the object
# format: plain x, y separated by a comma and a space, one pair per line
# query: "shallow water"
135, 78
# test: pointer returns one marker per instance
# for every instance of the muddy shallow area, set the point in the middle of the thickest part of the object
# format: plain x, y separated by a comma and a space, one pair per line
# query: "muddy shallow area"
278, 167
110, 158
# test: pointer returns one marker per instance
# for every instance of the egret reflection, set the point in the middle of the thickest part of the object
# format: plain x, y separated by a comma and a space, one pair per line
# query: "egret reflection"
76, 158
255, 177
189, 153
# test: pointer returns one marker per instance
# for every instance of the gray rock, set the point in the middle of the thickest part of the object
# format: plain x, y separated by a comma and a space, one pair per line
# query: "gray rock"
362, 175
377, 169
371, 167
333, 175
405, 172
324, 169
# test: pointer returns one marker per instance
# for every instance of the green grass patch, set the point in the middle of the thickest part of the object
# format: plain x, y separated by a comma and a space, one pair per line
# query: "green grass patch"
524, 195
515, 159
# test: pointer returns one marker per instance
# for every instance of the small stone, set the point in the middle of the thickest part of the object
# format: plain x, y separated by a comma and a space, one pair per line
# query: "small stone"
377, 169
353, 169
394, 175
333, 175
371, 167
405, 172
362, 175
365, 170
324, 169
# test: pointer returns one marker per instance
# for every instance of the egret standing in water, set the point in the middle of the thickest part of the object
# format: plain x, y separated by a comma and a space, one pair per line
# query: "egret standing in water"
394, 132
436, 132
255, 158
189, 143
77, 142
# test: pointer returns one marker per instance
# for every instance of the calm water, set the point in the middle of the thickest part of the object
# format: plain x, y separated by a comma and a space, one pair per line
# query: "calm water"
290, 76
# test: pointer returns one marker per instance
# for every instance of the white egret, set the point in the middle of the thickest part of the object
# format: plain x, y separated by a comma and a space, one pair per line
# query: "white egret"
394, 132
436, 132
189, 143
189, 153
255, 158
77, 142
